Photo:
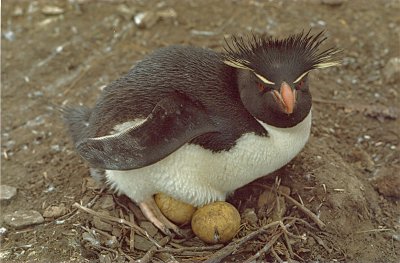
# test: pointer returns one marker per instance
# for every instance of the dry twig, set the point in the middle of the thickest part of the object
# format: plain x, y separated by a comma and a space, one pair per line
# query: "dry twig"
265, 249
276, 256
304, 209
132, 234
118, 220
183, 249
233, 246
321, 242
150, 253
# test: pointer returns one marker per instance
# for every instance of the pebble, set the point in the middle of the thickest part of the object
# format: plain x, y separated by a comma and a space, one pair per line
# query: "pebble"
23, 218
391, 71
52, 10
55, 211
7, 193
9, 35
3, 231
146, 19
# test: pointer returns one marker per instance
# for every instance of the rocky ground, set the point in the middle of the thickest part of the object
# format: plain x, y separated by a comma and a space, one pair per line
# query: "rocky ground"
64, 52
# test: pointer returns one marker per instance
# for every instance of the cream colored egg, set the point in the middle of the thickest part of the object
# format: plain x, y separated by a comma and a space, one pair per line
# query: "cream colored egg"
176, 211
216, 222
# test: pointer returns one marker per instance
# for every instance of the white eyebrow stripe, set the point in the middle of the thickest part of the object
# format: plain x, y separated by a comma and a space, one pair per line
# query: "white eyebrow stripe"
327, 64
266, 81
301, 76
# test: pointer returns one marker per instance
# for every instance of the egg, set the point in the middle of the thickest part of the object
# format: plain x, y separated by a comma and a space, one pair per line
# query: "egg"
178, 212
217, 222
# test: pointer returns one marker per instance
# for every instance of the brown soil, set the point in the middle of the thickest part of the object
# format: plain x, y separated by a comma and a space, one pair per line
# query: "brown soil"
346, 174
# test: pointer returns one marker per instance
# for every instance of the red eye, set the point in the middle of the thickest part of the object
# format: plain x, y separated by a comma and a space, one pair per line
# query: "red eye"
260, 87
300, 84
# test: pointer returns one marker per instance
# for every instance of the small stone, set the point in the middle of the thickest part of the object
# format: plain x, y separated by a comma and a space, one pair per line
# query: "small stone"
52, 10
249, 216
3, 231
7, 193
9, 35
148, 19
145, 20
142, 243
391, 71
22, 218
149, 227
55, 211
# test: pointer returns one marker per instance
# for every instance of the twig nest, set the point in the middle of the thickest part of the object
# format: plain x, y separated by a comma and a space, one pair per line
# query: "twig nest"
216, 223
178, 212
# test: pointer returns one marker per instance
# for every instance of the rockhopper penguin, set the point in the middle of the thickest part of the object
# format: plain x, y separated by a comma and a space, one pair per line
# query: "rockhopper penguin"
196, 124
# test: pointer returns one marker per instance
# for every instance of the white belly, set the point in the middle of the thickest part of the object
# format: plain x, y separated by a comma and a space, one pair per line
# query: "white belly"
198, 176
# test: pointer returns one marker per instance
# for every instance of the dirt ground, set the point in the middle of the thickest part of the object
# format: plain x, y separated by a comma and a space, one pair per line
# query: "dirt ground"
348, 174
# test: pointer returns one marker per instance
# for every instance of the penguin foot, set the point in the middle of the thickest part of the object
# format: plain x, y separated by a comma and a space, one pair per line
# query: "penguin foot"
151, 211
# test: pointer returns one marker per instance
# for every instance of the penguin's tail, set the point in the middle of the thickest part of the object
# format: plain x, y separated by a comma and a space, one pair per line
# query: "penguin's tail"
77, 121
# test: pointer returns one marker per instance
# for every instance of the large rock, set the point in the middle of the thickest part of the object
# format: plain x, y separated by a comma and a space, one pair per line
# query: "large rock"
23, 218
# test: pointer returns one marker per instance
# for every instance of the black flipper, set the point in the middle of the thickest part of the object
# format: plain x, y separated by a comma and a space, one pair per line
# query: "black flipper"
174, 121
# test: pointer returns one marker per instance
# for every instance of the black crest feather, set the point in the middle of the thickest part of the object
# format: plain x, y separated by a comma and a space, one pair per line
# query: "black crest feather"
300, 51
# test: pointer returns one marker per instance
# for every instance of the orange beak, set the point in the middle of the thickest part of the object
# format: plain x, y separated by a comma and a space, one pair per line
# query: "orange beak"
286, 98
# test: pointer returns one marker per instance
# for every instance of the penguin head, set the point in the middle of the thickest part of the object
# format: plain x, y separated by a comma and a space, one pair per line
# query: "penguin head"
273, 74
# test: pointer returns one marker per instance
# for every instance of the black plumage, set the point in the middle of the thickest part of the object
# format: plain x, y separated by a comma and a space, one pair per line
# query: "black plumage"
223, 85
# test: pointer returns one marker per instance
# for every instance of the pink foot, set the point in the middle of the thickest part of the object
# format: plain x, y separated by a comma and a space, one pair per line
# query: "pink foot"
151, 211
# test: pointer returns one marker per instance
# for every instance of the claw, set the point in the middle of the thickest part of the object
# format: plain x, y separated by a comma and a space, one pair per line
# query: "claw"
151, 211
